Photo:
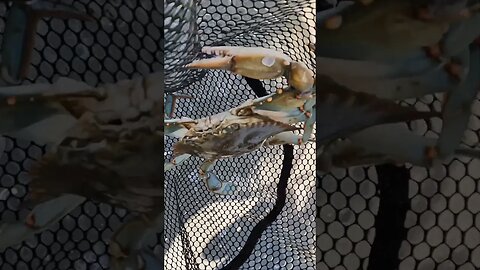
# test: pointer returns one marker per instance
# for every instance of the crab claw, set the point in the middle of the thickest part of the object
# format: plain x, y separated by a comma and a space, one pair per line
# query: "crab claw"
257, 63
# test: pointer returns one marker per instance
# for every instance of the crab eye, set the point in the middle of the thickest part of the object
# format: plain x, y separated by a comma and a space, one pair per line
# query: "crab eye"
245, 112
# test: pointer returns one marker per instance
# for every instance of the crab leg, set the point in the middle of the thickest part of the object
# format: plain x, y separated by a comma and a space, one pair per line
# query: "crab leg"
175, 162
324, 15
341, 111
379, 145
442, 79
286, 137
457, 111
416, 86
311, 120
257, 63
177, 128
345, 154
460, 36
128, 245
170, 103
26, 111
385, 139
382, 31
211, 180
417, 63
19, 34
38, 220
29, 92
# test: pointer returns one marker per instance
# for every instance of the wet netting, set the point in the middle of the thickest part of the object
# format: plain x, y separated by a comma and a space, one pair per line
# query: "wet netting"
123, 43
434, 216
408, 217
208, 231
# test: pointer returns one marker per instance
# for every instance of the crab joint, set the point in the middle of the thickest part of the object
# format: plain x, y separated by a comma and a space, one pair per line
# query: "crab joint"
334, 22
434, 51
455, 70
431, 153
308, 114
30, 220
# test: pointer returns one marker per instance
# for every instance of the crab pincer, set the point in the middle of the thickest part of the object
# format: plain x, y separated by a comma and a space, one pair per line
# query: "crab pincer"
257, 63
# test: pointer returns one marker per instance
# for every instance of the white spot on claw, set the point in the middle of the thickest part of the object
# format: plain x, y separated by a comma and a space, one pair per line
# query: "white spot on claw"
268, 61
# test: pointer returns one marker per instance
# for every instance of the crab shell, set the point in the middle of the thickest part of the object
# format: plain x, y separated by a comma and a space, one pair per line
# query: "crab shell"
224, 135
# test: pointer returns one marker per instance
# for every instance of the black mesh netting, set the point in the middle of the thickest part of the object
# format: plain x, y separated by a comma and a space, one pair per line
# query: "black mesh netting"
207, 231
442, 212
123, 43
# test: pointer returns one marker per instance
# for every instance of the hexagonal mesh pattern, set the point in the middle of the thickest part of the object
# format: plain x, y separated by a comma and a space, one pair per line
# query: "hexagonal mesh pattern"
123, 43
206, 231
442, 222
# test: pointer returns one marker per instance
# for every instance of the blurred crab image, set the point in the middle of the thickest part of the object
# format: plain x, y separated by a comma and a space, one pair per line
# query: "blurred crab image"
102, 144
399, 50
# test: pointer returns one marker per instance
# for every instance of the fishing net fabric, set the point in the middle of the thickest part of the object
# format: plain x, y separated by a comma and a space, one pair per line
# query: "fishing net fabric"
124, 43
442, 222
207, 231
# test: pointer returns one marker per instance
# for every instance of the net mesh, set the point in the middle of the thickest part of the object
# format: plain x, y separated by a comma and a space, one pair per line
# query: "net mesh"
206, 231
442, 222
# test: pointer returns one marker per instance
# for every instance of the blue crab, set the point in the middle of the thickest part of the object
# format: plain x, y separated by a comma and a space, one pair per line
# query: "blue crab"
271, 120
264, 121
106, 141
397, 50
